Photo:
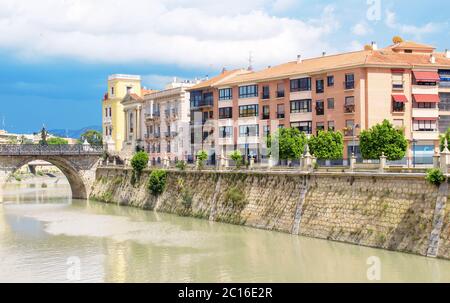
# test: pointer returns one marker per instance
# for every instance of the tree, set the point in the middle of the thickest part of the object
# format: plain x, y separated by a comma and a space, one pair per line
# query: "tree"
383, 138
93, 137
236, 156
397, 39
57, 141
291, 143
139, 162
327, 145
202, 156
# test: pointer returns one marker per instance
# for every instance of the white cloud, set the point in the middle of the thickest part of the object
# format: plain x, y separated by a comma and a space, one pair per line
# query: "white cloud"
156, 81
187, 33
283, 5
416, 31
361, 29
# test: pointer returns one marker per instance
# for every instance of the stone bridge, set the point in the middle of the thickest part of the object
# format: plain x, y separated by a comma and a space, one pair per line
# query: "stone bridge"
77, 162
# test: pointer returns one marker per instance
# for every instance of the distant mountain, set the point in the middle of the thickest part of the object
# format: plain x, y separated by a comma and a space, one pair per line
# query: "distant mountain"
71, 133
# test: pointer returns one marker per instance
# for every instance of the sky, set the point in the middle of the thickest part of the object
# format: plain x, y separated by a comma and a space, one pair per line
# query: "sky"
56, 55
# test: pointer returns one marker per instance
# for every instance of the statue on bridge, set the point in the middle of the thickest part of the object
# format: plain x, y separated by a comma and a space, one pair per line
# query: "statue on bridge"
44, 135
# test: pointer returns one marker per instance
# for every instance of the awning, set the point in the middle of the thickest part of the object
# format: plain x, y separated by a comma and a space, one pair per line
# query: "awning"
400, 98
421, 98
426, 76
426, 119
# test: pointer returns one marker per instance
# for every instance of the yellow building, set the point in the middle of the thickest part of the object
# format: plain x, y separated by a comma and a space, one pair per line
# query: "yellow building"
112, 109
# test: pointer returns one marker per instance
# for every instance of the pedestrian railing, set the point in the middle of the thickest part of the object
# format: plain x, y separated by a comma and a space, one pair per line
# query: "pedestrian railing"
38, 149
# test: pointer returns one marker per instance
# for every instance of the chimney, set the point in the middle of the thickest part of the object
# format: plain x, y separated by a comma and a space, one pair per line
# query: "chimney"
447, 54
432, 59
374, 46
299, 59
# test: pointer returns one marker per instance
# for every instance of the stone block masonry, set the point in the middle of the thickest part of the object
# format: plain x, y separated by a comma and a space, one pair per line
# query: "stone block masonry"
394, 212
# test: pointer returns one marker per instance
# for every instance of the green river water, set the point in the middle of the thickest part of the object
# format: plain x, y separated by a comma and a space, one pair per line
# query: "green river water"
45, 236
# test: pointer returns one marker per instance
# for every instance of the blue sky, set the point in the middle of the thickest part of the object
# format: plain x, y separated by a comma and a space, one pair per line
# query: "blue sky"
55, 55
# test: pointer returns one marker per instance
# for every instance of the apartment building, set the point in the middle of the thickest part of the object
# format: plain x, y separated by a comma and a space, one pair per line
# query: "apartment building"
407, 83
205, 113
113, 116
166, 122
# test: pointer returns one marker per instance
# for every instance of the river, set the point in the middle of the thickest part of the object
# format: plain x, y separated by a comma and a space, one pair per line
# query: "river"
45, 236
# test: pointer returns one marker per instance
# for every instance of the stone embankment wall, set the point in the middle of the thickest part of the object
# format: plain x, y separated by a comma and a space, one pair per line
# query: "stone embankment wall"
395, 212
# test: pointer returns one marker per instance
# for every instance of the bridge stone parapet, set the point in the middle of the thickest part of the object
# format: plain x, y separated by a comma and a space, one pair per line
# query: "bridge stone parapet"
76, 162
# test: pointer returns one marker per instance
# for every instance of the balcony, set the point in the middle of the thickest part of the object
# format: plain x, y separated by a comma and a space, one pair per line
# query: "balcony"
398, 108
280, 115
207, 103
348, 85
265, 96
349, 109
427, 134
320, 111
170, 134
265, 117
425, 112
425, 89
152, 116
444, 84
107, 120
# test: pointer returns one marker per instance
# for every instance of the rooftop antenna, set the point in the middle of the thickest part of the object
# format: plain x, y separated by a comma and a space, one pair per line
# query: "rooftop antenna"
250, 61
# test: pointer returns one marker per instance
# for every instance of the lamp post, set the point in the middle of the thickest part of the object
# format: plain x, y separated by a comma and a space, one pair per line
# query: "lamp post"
354, 138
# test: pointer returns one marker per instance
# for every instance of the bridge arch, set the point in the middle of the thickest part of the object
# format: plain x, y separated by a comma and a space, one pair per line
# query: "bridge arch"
78, 185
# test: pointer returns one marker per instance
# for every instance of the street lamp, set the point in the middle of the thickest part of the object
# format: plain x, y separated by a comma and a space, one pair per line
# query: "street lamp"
354, 138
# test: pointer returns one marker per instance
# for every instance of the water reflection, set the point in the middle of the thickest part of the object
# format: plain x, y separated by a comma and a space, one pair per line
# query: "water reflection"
41, 227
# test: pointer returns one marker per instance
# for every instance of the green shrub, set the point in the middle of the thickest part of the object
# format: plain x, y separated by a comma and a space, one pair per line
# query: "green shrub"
157, 181
236, 156
202, 156
181, 165
235, 197
435, 176
139, 162
43, 185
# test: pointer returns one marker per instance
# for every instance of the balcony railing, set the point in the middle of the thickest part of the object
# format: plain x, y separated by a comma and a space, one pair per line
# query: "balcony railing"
265, 96
445, 84
349, 109
265, 116
320, 111
280, 94
280, 115
202, 103
398, 108
349, 84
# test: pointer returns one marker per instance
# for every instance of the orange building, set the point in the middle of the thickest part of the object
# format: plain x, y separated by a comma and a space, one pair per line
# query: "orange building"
407, 83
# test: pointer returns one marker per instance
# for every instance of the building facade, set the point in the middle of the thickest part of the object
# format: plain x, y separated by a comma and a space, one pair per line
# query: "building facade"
407, 84
113, 117
166, 123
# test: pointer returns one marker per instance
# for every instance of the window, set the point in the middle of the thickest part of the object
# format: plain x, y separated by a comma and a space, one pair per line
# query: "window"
248, 130
131, 123
301, 106
225, 113
225, 94
398, 107
319, 86
169, 147
248, 111
398, 123
280, 90
280, 111
304, 126
320, 126
349, 81
445, 101
349, 127
112, 91
424, 126
320, 108
248, 91
424, 105
330, 103
299, 85
397, 81
129, 88
330, 81
226, 132
266, 130
266, 92
106, 112
331, 126
349, 106
110, 111
266, 112
280, 126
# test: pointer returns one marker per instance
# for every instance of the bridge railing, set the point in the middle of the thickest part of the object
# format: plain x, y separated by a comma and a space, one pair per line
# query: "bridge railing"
49, 150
